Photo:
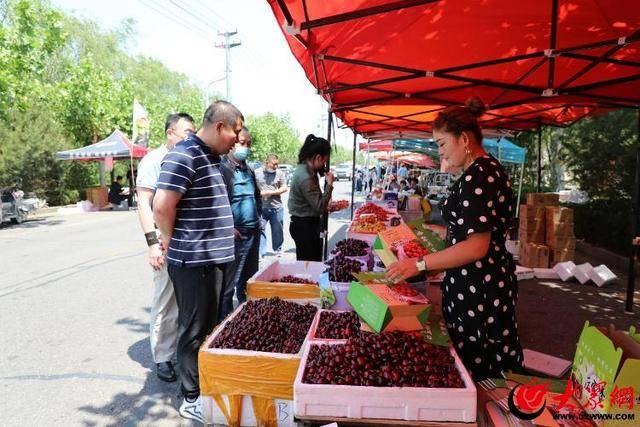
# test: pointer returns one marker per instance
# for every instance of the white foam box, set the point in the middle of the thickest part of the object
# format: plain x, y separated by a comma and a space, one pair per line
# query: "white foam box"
601, 275
582, 272
524, 273
213, 415
212, 412
316, 323
388, 403
545, 273
279, 268
564, 270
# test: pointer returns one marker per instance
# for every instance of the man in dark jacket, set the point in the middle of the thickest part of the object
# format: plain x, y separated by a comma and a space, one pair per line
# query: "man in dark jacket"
246, 206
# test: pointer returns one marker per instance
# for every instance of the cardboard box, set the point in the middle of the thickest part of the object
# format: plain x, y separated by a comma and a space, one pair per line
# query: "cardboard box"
561, 228
531, 225
558, 214
382, 310
600, 367
385, 240
563, 255
536, 237
543, 199
561, 243
533, 255
531, 212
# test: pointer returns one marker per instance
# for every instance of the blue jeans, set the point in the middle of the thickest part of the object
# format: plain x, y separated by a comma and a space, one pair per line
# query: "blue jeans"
275, 217
244, 266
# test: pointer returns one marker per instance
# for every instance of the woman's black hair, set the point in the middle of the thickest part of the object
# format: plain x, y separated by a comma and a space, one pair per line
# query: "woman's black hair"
313, 146
462, 118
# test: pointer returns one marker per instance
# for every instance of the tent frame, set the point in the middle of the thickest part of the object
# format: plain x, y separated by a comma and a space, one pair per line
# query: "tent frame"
535, 94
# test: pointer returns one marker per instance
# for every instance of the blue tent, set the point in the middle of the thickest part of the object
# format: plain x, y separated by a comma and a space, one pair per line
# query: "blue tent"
502, 149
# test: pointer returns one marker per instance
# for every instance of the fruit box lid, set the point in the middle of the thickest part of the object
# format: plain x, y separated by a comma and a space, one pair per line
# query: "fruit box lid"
598, 361
377, 305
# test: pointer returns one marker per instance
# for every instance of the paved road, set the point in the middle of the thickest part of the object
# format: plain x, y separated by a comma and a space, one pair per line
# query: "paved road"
74, 307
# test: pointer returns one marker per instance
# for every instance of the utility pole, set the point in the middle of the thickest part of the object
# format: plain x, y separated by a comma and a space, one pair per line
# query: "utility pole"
227, 45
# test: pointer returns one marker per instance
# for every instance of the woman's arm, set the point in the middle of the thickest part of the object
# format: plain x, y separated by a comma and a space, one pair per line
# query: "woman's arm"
474, 248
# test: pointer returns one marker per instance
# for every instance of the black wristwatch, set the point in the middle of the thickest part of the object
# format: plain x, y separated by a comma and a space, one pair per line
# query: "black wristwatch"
152, 238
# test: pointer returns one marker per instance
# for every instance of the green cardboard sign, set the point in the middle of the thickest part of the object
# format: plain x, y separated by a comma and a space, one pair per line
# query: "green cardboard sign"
369, 307
427, 237
596, 361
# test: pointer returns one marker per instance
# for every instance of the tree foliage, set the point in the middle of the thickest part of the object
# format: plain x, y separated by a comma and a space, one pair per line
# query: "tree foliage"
65, 83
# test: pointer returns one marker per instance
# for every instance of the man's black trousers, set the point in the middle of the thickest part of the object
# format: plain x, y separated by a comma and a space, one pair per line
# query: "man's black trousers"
199, 296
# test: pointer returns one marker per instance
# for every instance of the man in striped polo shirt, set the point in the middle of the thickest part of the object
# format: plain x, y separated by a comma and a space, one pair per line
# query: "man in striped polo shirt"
193, 214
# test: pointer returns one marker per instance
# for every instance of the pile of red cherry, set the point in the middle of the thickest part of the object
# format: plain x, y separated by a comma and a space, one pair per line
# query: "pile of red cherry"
340, 268
389, 359
270, 325
337, 325
352, 247
293, 279
405, 289
414, 249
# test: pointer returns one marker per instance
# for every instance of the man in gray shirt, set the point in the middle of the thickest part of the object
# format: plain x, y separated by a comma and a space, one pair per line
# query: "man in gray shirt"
272, 184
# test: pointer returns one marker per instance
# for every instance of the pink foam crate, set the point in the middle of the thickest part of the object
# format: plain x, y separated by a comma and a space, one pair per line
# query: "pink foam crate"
387, 403
314, 328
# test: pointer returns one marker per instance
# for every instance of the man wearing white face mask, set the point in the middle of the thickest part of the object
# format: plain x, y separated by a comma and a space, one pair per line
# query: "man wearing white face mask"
246, 206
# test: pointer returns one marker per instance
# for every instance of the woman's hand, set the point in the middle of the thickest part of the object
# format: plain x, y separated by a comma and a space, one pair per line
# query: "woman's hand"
402, 270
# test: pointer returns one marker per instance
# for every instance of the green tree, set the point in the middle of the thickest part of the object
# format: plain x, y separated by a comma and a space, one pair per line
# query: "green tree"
273, 135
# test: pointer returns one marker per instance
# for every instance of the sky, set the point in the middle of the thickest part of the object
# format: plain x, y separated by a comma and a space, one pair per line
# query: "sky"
182, 34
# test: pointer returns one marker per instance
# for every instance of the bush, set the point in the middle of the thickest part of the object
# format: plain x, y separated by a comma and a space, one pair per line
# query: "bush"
605, 223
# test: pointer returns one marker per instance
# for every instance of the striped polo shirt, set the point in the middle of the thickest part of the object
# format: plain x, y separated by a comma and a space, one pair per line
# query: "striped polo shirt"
203, 229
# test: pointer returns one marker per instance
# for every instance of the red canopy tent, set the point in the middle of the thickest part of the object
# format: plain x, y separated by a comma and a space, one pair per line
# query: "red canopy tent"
387, 67
391, 65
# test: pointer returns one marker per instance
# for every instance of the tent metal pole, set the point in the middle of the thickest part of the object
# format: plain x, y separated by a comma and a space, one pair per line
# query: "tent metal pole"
325, 216
520, 188
633, 257
353, 173
539, 158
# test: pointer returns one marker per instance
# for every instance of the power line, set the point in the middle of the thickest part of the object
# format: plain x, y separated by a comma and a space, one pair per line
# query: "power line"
197, 18
179, 21
223, 19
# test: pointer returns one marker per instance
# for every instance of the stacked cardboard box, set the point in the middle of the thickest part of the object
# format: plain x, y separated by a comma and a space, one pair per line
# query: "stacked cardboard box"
559, 234
534, 252
533, 255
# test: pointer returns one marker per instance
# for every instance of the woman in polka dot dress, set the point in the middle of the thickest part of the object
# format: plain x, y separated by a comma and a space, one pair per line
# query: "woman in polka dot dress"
479, 290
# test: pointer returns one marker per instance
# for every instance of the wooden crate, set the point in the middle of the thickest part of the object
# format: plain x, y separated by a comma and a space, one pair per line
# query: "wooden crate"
533, 255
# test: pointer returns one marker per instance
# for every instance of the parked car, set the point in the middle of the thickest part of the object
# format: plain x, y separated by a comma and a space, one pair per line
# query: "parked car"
288, 171
343, 171
11, 206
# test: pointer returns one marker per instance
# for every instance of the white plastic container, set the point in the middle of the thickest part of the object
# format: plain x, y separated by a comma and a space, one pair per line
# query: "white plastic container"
564, 270
524, 273
545, 273
340, 291
583, 272
314, 328
601, 275
389, 403
302, 269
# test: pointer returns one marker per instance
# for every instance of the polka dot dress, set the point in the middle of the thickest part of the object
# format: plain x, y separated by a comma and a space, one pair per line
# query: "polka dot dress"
479, 299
